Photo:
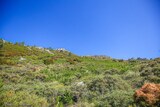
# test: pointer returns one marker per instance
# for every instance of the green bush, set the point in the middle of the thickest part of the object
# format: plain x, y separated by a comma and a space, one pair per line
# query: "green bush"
48, 61
73, 60
108, 83
6, 61
120, 98
23, 98
64, 98
1, 91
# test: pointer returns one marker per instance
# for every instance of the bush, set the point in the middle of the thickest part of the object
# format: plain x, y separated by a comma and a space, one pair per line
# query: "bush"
148, 95
108, 83
120, 98
1, 91
64, 98
41, 77
84, 104
23, 98
133, 78
112, 72
48, 61
80, 91
151, 74
6, 61
73, 60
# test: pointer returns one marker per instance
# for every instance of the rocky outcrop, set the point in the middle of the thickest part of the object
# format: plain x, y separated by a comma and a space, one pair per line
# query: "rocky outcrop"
61, 50
148, 95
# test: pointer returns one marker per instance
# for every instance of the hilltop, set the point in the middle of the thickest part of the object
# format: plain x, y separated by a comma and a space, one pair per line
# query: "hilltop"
44, 77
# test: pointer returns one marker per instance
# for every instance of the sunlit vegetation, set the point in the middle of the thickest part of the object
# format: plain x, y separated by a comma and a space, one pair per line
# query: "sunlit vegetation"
31, 76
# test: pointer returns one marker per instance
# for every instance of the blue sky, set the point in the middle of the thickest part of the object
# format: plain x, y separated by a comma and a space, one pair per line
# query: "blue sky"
116, 28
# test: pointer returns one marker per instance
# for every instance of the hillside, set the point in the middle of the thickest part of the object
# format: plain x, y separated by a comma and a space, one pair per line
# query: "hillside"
32, 76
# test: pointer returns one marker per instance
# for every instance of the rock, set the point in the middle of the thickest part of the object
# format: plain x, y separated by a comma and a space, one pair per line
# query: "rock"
48, 51
22, 59
149, 93
29, 48
80, 83
61, 50
4, 41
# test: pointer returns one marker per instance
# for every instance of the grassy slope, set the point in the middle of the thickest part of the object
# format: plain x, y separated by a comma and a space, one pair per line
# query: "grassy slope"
63, 79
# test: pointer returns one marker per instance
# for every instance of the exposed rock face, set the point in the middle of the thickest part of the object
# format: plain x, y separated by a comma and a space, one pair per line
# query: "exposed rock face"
61, 50
149, 93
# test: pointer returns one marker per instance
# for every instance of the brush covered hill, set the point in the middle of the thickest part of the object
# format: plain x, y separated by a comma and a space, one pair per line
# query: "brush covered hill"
32, 76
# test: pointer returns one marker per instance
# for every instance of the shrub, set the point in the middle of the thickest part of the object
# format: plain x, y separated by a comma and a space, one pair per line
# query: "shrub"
112, 72
80, 91
7, 61
23, 98
1, 91
148, 95
41, 77
48, 61
73, 60
64, 98
151, 74
84, 104
133, 78
120, 98
108, 83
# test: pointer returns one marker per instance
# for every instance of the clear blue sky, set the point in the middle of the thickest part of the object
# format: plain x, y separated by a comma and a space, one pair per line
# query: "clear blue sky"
116, 28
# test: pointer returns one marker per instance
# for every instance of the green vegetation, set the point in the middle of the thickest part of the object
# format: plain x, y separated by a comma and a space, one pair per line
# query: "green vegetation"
41, 77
